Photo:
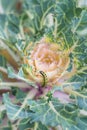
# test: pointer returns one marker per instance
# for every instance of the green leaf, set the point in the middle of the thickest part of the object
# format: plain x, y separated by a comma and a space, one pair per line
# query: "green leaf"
8, 5
50, 113
3, 19
57, 113
3, 62
81, 124
79, 54
2, 34
80, 24
53, 112
79, 96
40, 126
23, 115
12, 109
19, 75
13, 24
6, 124
25, 124
65, 11
37, 15
9, 27
6, 128
19, 94
2, 115
82, 100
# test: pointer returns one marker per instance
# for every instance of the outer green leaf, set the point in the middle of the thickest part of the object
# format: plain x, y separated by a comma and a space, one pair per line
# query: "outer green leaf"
37, 12
8, 4
2, 34
13, 24
81, 124
82, 100
12, 109
20, 75
41, 127
50, 113
53, 113
79, 56
26, 124
64, 11
24, 115
79, 96
80, 24
3, 19
9, 27
19, 94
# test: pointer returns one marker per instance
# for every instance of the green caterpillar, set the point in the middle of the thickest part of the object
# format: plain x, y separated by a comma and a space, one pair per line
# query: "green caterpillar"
44, 78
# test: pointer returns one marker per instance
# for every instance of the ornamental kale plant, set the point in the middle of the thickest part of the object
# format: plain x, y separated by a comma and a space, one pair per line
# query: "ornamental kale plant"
43, 65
